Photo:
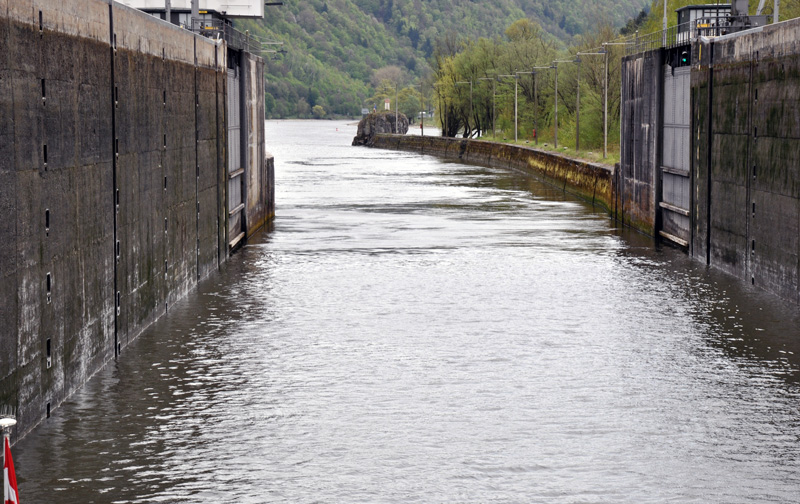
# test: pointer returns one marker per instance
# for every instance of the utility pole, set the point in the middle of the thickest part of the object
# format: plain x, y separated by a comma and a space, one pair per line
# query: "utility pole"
396, 126
422, 112
494, 106
515, 76
168, 8
532, 73
195, 12
470, 104
603, 52
535, 110
605, 107
442, 108
471, 111
555, 66
516, 83
536, 100
555, 138
605, 99
578, 108
446, 117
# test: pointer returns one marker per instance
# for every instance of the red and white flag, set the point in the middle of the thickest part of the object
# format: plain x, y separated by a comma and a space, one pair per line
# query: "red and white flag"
10, 486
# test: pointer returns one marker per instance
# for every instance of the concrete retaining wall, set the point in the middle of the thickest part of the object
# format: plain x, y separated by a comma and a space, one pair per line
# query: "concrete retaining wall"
745, 152
641, 101
112, 180
590, 181
746, 91
257, 200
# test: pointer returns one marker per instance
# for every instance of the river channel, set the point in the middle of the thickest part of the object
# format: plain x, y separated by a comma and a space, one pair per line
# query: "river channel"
415, 330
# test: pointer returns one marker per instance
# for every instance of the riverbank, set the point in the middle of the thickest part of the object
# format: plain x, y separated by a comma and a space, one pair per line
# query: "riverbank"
593, 182
589, 155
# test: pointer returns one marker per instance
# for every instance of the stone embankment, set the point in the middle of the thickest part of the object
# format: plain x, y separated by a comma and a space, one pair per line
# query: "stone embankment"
592, 182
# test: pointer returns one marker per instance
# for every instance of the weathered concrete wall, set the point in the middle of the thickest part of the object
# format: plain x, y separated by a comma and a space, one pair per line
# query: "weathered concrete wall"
590, 181
256, 211
112, 180
746, 111
745, 153
642, 95
8, 224
61, 169
701, 175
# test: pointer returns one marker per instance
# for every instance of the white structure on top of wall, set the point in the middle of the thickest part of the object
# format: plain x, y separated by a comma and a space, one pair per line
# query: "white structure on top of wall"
225, 8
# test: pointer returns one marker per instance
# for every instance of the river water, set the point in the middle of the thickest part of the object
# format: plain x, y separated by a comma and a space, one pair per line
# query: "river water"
414, 330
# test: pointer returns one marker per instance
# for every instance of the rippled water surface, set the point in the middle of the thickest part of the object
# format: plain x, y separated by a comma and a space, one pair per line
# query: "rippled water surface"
413, 330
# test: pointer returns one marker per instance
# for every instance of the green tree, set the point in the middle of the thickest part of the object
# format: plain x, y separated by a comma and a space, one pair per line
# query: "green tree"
318, 111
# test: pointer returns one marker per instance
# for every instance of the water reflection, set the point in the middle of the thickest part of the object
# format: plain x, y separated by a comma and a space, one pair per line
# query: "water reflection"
421, 331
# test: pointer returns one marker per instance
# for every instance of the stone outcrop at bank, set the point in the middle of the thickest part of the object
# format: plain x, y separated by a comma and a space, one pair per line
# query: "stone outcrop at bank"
379, 123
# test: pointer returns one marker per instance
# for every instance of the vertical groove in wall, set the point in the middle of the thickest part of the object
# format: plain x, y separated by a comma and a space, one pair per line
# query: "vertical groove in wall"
692, 171
217, 135
226, 167
657, 140
197, 166
168, 184
710, 141
244, 135
114, 190
748, 261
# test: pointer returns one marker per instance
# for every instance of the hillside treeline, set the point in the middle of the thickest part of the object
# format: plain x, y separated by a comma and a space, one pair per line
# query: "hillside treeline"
340, 56
335, 47
524, 66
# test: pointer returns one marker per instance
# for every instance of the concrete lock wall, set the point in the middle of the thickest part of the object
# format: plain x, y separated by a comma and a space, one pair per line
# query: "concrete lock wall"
745, 153
257, 207
590, 181
642, 94
112, 185
746, 106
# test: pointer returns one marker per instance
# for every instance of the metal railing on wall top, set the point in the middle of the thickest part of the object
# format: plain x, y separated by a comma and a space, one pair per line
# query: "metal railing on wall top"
218, 29
682, 34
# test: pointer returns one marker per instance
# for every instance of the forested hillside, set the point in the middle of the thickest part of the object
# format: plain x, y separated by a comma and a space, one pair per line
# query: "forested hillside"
335, 47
